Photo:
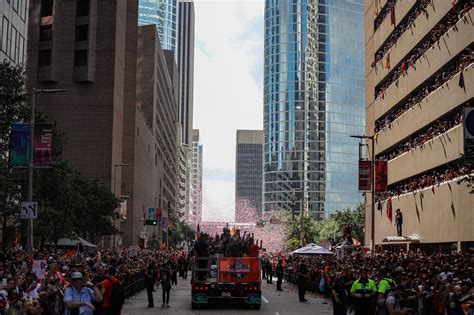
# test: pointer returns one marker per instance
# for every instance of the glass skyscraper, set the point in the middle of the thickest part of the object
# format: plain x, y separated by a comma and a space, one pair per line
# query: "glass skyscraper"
164, 14
314, 99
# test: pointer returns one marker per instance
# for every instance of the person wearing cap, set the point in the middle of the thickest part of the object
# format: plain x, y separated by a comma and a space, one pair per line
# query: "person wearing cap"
363, 291
78, 297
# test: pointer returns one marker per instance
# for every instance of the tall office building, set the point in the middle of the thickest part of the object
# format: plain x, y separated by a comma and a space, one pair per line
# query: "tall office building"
13, 31
186, 67
88, 48
420, 79
313, 100
196, 178
248, 176
164, 15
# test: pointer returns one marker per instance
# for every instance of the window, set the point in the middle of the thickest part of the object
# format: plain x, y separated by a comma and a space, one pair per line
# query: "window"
12, 43
82, 8
22, 50
80, 58
5, 29
44, 58
82, 33
15, 5
46, 33
47, 7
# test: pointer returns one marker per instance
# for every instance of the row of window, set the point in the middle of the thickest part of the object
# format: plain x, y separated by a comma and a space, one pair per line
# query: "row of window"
20, 7
47, 7
13, 44
80, 58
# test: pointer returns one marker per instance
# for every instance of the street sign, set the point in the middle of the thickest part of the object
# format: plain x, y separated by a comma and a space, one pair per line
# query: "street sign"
365, 175
29, 210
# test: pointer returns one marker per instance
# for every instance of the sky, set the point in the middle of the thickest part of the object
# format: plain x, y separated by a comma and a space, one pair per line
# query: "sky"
228, 92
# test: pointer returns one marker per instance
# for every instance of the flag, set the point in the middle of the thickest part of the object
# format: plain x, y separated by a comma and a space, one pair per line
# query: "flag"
461, 80
392, 16
389, 209
387, 61
403, 68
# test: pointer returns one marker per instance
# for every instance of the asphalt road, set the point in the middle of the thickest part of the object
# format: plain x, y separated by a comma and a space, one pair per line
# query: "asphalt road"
274, 302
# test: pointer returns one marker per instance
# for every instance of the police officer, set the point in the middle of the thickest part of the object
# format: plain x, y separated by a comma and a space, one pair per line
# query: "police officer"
279, 274
302, 281
363, 291
151, 275
386, 285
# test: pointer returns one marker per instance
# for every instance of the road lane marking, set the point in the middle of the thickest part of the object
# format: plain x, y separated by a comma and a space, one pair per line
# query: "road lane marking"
276, 313
264, 299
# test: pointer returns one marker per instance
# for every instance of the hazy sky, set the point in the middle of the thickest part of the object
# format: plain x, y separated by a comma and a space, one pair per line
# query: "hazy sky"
228, 91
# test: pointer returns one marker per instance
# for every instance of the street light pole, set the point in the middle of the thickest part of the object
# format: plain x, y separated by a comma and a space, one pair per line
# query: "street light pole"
29, 226
115, 182
372, 188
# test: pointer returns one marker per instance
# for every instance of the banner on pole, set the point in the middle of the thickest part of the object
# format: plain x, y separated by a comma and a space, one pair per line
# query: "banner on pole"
43, 145
381, 175
20, 145
365, 175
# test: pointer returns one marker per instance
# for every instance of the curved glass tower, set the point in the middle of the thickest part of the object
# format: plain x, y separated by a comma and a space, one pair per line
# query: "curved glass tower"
314, 98
164, 14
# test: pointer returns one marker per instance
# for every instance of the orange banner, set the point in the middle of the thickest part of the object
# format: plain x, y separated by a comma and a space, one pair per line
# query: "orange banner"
239, 269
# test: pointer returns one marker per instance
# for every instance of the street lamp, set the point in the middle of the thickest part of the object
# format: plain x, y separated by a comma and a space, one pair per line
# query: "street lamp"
372, 180
115, 183
29, 235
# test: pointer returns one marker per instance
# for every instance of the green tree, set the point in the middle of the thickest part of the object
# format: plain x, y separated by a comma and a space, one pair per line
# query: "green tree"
12, 110
354, 218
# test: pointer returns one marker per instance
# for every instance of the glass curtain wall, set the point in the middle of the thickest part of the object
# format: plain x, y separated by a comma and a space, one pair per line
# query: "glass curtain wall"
164, 14
313, 100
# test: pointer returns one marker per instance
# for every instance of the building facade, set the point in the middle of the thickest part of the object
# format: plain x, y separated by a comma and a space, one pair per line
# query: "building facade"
248, 176
164, 15
89, 49
196, 178
313, 101
419, 79
13, 31
186, 67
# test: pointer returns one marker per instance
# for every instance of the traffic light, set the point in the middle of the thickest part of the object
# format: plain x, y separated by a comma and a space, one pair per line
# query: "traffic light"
151, 222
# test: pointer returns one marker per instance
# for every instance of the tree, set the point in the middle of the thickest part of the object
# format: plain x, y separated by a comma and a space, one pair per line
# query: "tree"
70, 204
12, 110
354, 218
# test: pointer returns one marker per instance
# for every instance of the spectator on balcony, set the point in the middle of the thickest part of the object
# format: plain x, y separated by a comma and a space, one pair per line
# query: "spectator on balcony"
399, 221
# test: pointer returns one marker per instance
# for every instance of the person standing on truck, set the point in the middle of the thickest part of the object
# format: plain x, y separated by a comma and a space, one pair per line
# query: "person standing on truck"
279, 274
201, 250
253, 249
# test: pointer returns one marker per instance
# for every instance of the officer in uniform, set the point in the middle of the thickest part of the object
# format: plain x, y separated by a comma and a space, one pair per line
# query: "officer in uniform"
302, 281
363, 291
386, 285
279, 274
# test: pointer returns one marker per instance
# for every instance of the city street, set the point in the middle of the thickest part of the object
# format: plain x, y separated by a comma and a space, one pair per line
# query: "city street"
274, 303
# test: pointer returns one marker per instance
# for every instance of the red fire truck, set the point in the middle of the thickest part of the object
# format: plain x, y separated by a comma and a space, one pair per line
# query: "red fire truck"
226, 280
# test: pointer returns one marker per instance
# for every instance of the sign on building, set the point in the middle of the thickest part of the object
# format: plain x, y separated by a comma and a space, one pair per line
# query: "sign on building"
29, 210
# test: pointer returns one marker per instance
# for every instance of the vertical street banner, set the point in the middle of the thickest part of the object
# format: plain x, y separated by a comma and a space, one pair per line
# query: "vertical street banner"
365, 175
43, 145
164, 220
150, 214
20, 145
158, 214
381, 175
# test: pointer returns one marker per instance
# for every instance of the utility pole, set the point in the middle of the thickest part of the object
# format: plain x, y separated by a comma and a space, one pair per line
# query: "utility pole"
302, 218
29, 226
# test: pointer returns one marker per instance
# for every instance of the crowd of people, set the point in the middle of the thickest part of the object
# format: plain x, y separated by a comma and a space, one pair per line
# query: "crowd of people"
406, 23
80, 281
386, 10
387, 283
437, 128
432, 179
458, 65
433, 37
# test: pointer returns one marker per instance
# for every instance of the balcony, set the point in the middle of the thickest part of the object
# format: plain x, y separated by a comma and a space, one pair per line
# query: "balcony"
412, 36
448, 47
446, 98
386, 28
442, 216
433, 153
